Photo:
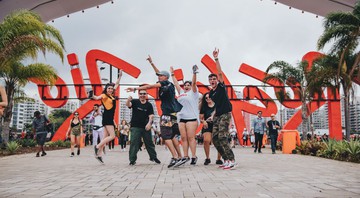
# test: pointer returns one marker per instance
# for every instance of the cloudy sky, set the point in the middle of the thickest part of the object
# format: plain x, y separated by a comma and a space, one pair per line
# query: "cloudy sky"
180, 33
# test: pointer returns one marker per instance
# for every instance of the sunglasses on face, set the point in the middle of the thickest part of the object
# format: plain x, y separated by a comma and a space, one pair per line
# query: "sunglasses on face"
76, 114
142, 94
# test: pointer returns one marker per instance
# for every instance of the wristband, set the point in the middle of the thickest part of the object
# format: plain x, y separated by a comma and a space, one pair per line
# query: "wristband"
134, 90
216, 59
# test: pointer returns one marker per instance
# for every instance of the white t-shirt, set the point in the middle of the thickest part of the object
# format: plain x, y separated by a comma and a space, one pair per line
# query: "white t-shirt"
190, 103
98, 120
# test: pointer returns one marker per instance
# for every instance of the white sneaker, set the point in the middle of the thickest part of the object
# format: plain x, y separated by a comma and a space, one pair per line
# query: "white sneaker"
124, 149
226, 163
231, 165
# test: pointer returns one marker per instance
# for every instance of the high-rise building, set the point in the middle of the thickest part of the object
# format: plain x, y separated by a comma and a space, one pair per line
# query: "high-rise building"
23, 112
70, 106
354, 111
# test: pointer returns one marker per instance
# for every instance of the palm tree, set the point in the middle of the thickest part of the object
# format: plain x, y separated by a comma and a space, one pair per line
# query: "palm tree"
297, 79
342, 31
23, 35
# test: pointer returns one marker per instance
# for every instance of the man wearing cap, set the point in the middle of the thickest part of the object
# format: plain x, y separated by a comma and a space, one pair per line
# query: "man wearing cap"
273, 126
169, 106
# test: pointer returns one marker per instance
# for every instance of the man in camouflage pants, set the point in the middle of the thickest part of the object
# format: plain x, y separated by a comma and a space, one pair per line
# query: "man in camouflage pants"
222, 115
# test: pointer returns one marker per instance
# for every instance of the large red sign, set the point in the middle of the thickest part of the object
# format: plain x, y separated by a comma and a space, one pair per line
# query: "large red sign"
239, 106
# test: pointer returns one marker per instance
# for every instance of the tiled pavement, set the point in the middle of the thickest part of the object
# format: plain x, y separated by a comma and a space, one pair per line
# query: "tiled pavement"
257, 175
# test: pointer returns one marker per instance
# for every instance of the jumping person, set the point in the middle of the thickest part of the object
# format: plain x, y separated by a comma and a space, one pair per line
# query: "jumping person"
188, 116
141, 121
170, 106
222, 116
108, 100
76, 130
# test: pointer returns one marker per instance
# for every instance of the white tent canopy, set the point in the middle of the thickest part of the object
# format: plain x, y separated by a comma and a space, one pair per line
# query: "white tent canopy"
52, 9
48, 9
320, 7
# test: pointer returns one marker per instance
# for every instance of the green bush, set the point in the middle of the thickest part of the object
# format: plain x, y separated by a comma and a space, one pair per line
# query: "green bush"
353, 150
314, 147
303, 148
328, 150
27, 142
341, 150
60, 143
12, 147
332, 149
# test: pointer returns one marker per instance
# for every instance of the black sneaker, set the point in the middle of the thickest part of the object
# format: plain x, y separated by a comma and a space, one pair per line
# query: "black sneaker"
132, 163
72, 154
255, 150
96, 150
193, 160
100, 160
172, 162
78, 152
37, 154
273, 152
219, 162
259, 152
207, 161
156, 160
182, 161
43, 153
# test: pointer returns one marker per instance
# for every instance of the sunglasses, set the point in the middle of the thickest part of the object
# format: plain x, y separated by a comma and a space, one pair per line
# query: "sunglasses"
143, 94
76, 114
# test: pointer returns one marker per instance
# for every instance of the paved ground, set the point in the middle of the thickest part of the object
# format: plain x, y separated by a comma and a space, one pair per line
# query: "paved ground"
258, 175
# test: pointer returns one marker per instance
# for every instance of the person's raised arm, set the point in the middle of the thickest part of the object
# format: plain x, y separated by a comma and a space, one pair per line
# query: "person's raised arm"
218, 67
195, 70
152, 64
117, 83
176, 83
144, 87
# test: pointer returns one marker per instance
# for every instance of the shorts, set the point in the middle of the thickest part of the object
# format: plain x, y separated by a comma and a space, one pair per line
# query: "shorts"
209, 129
41, 138
187, 120
169, 127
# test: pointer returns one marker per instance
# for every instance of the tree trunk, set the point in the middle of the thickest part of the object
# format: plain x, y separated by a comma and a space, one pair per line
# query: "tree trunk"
304, 120
347, 116
10, 90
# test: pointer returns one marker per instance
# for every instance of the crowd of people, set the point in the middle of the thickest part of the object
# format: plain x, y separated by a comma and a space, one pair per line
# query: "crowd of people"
181, 114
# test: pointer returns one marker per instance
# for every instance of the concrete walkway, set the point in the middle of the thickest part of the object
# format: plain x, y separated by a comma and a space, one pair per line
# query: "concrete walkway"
257, 175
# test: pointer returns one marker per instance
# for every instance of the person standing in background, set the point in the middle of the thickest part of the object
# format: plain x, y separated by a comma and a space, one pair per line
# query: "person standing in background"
245, 137
96, 121
124, 134
39, 131
273, 125
259, 126
75, 131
